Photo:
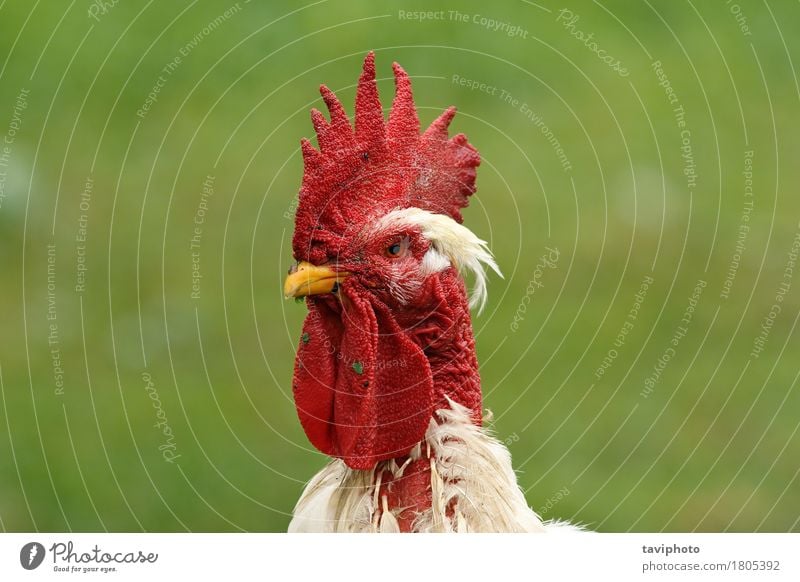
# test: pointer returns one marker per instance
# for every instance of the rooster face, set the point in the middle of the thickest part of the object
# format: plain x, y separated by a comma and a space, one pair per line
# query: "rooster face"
379, 247
394, 256
385, 258
389, 262
385, 316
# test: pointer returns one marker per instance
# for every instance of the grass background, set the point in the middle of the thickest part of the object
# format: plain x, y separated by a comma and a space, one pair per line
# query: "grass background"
714, 447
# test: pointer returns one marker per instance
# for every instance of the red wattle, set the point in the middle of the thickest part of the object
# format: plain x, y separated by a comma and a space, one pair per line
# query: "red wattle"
363, 389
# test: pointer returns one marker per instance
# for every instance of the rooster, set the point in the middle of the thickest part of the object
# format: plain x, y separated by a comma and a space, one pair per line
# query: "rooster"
386, 377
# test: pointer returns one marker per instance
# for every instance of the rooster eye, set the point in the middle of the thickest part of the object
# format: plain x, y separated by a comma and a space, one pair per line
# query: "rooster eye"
398, 247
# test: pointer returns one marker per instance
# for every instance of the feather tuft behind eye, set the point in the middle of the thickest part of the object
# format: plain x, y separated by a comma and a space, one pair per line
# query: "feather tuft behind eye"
451, 244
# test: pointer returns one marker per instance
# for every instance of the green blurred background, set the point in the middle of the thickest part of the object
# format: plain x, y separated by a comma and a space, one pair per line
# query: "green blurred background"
128, 403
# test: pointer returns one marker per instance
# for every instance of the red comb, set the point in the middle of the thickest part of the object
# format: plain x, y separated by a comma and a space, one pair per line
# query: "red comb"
361, 172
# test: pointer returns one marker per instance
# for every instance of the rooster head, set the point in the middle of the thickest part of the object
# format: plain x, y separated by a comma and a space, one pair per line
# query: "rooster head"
380, 250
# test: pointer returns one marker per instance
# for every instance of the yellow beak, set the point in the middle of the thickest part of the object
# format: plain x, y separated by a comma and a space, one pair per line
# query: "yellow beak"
307, 279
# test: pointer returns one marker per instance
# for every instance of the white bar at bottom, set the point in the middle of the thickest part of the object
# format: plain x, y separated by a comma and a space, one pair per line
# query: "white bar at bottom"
407, 558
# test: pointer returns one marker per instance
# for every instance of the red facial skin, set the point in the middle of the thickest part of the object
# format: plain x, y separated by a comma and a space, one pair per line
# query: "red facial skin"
372, 369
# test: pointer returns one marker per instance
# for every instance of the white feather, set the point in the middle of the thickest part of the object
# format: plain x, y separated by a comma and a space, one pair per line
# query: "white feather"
451, 243
470, 473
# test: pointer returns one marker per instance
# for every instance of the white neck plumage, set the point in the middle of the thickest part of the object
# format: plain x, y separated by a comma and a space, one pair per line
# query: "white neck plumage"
472, 484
